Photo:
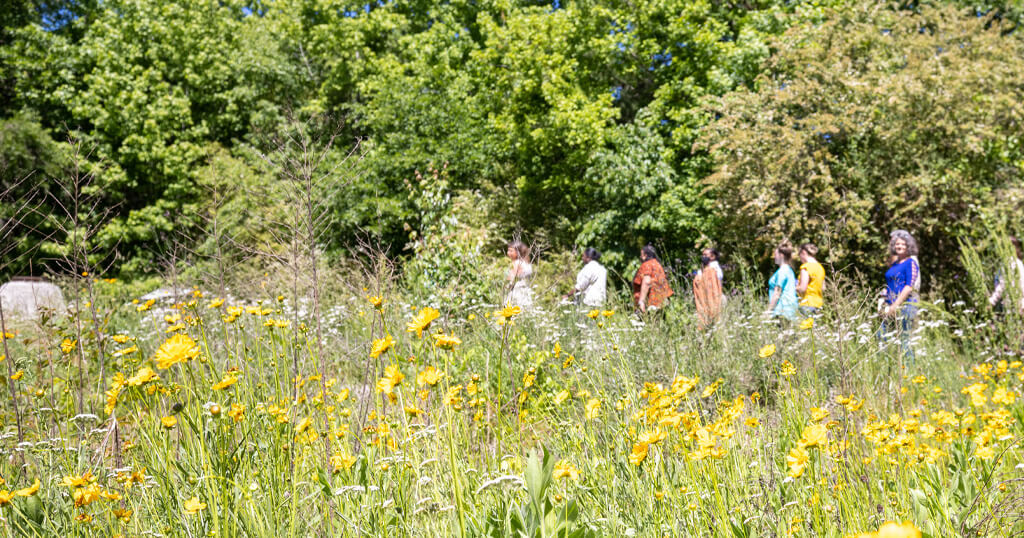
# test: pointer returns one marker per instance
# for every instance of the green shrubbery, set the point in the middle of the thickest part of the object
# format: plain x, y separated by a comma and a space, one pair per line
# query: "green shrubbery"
589, 124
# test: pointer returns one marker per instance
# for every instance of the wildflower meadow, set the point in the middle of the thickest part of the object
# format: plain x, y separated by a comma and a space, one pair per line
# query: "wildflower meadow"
218, 416
306, 268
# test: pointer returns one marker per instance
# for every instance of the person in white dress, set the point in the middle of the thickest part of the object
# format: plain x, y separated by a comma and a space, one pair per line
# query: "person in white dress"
592, 281
1012, 275
520, 274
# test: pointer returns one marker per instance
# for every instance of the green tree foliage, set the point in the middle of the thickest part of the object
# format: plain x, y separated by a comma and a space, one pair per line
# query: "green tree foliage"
148, 85
547, 100
587, 119
873, 120
28, 157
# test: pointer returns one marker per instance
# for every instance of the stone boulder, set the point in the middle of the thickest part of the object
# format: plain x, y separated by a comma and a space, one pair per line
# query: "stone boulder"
25, 298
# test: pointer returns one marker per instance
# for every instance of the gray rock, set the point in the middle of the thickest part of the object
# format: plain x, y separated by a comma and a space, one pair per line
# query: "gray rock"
25, 298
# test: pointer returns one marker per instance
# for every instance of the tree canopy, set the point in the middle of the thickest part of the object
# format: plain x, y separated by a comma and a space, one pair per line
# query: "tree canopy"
593, 122
871, 121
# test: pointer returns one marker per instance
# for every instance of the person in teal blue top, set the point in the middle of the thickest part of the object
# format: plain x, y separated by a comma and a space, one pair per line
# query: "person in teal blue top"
782, 285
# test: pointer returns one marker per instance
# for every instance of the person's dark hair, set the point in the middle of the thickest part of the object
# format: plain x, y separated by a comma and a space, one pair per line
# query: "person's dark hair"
809, 248
714, 252
786, 249
592, 253
649, 251
521, 249
1015, 241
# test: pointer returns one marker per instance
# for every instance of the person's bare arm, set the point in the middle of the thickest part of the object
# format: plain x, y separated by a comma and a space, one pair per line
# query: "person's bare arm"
645, 288
513, 272
776, 295
805, 280
904, 293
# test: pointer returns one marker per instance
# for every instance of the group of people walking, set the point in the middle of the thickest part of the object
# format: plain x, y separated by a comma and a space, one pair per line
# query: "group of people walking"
791, 295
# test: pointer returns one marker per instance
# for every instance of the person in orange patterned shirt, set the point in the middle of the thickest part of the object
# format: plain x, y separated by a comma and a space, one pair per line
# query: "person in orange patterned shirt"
650, 286
707, 291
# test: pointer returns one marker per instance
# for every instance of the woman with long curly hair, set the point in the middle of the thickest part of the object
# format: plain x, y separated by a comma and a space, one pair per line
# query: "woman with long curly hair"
902, 284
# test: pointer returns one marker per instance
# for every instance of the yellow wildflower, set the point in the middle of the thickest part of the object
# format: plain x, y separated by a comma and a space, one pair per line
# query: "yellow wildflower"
638, 454
169, 422
652, 437
29, 491
710, 389
86, 495
977, 393
1003, 396
429, 376
339, 462
797, 461
178, 348
452, 398
422, 320
193, 506
894, 530
561, 397
228, 380
73, 481
592, 408
144, 375
815, 435
236, 412
766, 351
444, 341
126, 351
381, 345
509, 311
392, 378
564, 469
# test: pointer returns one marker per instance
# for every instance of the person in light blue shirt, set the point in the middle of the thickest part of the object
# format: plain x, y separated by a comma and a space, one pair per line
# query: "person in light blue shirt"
782, 286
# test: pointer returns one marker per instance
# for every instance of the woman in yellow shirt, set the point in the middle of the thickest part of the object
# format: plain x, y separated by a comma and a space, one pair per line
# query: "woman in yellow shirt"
811, 281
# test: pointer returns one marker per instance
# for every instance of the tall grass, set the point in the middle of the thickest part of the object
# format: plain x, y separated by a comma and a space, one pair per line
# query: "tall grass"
554, 422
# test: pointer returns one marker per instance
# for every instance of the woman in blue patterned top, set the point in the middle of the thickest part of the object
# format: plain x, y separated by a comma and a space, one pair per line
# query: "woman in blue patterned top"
902, 284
